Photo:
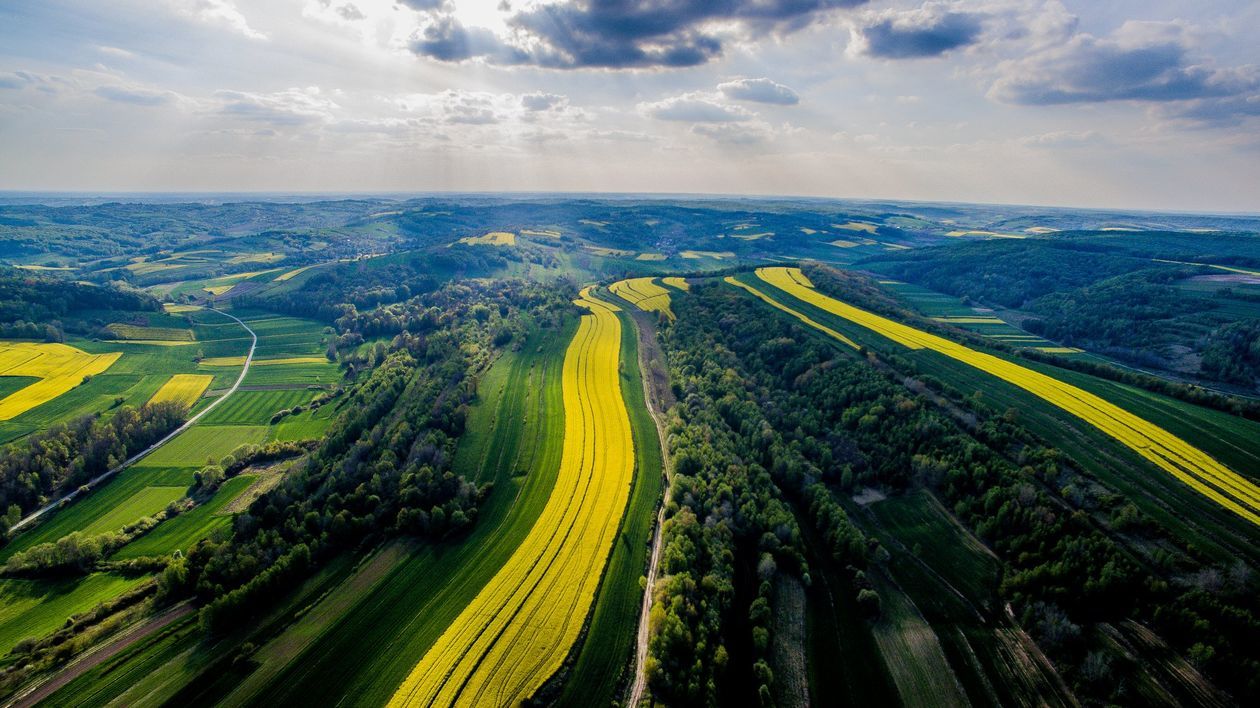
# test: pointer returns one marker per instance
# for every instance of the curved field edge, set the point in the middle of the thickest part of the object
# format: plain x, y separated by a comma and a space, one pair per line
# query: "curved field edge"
604, 657
371, 642
1209, 527
518, 631
1173, 455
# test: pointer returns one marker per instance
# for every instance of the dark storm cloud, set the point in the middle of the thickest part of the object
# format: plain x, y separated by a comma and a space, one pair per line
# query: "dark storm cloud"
620, 34
760, 91
920, 35
448, 40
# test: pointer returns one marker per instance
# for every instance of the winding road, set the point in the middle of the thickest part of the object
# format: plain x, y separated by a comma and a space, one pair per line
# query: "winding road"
92, 483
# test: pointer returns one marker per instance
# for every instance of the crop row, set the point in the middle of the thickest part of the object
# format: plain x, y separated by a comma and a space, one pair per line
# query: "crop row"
183, 389
518, 630
58, 367
1170, 453
644, 294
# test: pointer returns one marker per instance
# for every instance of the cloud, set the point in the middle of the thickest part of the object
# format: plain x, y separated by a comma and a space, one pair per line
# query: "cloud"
133, 96
423, 5
615, 34
288, 108
218, 12
1140, 61
693, 108
759, 91
14, 80
446, 39
733, 133
931, 30
1063, 139
541, 101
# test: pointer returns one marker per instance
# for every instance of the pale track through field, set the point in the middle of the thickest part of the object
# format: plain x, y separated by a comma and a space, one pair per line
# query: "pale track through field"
515, 634
95, 481
1195, 468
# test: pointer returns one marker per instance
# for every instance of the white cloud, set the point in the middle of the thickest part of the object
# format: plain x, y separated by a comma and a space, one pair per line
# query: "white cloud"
223, 13
694, 108
759, 91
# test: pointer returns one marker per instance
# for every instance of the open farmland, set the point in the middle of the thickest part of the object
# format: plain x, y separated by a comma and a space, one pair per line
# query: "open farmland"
494, 238
602, 666
676, 282
58, 367
180, 533
150, 334
33, 608
644, 294
184, 389
202, 443
256, 407
368, 648
131, 495
494, 651
1171, 454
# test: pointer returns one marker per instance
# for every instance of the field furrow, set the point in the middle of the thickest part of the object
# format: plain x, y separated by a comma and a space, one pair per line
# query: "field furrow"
1170, 453
517, 631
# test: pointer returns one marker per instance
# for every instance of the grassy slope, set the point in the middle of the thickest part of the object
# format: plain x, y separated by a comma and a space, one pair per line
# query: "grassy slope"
178, 666
180, 533
256, 407
34, 608
120, 501
200, 443
1184, 512
363, 654
606, 653
953, 580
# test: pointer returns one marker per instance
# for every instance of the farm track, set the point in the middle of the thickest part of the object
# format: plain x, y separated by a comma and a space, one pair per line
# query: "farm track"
1196, 469
639, 685
517, 631
38, 693
97, 480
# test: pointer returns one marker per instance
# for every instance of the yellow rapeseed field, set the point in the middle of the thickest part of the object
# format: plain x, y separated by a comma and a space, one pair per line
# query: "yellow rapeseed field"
644, 294
676, 282
1163, 449
518, 630
799, 315
58, 366
287, 275
183, 389
494, 238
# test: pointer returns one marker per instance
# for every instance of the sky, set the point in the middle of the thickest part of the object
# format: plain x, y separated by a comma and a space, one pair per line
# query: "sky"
1117, 104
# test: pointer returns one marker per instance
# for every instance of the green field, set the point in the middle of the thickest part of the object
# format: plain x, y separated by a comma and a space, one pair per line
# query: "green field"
30, 609
308, 425
199, 444
1186, 514
953, 580
129, 496
366, 649
180, 533
137, 374
256, 407
293, 375
605, 657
